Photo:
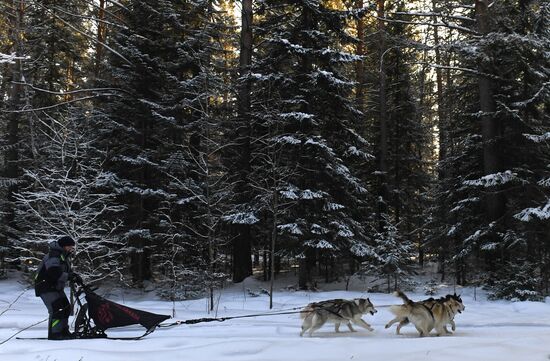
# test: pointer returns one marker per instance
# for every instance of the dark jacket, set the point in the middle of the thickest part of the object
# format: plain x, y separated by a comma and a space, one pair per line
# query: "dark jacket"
53, 271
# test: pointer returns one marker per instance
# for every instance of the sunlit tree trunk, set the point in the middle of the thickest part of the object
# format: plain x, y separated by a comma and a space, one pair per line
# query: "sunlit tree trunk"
360, 65
15, 102
242, 241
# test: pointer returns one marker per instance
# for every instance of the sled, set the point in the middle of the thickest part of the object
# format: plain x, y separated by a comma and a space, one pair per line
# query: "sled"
99, 314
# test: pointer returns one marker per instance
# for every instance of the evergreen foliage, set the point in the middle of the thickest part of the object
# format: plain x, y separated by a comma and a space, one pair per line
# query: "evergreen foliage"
335, 134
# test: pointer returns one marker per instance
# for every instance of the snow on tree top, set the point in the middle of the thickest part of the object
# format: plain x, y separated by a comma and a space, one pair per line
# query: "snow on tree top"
241, 218
537, 138
309, 194
318, 229
288, 139
7, 58
331, 78
296, 115
320, 244
528, 214
292, 228
331, 206
494, 179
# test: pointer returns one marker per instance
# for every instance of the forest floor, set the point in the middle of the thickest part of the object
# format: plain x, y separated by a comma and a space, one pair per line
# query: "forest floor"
487, 330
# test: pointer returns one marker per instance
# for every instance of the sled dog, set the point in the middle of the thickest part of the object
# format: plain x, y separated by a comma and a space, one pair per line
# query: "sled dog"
427, 314
337, 311
415, 312
445, 309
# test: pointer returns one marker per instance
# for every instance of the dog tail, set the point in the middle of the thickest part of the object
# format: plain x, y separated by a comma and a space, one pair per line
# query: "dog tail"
402, 296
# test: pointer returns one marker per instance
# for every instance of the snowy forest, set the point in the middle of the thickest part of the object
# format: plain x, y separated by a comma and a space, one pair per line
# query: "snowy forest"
190, 143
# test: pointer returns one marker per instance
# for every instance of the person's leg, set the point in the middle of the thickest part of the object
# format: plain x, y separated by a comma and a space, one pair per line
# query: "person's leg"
59, 309
48, 298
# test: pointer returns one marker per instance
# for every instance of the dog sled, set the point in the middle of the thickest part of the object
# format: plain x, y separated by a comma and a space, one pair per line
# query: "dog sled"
98, 314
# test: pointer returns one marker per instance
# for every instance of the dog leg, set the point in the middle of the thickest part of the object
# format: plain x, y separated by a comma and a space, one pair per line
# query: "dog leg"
317, 323
397, 319
337, 327
306, 324
401, 324
350, 328
362, 323
313, 329
453, 326
420, 331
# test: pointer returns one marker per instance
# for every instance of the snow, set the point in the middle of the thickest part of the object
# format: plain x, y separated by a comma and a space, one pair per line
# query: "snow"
542, 212
487, 330
537, 138
493, 180
7, 58
241, 218
292, 228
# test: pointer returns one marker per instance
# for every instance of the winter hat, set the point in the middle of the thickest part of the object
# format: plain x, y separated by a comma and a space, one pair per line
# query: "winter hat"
65, 241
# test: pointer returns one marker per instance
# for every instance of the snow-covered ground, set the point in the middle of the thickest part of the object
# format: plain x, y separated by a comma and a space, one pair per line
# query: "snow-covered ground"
487, 330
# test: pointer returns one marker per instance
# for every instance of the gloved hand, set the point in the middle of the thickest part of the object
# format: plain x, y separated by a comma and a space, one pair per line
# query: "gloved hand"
75, 277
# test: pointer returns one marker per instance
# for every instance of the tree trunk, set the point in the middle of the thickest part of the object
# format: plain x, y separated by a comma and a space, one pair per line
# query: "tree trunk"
15, 101
360, 65
307, 263
275, 197
441, 113
242, 242
382, 120
101, 36
397, 154
490, 127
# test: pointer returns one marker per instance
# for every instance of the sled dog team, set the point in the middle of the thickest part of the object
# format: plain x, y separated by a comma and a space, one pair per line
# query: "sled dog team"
425, 315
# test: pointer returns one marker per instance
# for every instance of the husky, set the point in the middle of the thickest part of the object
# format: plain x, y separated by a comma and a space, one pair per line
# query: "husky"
445, 311
338, 311
415, 312
441, 312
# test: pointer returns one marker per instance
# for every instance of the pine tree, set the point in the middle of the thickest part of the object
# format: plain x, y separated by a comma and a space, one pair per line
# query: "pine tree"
300, 77
498, 166
167, 130
392, 257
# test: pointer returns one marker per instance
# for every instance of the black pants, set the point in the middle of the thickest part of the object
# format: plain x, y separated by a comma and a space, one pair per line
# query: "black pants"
59, 310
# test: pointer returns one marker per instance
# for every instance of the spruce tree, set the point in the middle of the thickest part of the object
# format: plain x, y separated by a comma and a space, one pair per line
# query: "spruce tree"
301, 65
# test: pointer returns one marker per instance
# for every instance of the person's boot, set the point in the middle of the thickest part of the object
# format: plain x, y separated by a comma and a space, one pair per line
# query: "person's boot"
67, 335
64, 334
50, 328
53, 331
56, 336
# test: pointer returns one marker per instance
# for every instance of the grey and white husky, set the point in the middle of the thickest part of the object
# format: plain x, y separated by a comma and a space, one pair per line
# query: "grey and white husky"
337, 311
427, 314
